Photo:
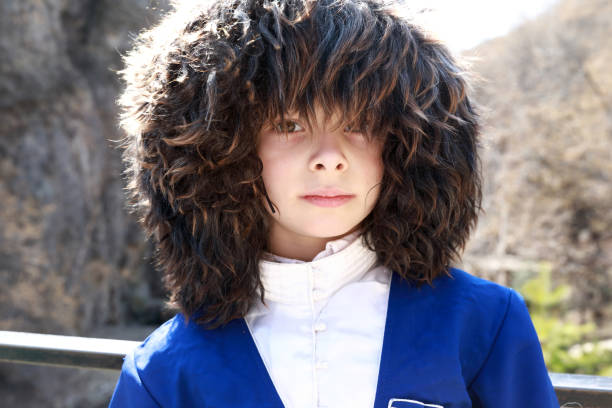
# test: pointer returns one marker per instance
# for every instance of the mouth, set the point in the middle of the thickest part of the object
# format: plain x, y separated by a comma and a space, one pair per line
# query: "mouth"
328, 201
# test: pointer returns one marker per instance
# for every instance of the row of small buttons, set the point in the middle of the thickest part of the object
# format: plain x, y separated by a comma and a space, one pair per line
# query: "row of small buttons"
321, 364
318, 294
320, 326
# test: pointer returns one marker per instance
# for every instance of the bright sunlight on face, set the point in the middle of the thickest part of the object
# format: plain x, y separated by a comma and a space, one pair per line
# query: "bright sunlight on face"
323, 181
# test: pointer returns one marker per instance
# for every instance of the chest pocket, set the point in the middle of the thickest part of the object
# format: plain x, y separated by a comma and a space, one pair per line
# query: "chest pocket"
406, 403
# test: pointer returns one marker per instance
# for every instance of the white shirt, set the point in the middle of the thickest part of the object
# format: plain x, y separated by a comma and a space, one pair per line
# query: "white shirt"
320, 335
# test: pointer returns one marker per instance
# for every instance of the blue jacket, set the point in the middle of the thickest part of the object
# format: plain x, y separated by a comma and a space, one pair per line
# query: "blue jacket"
466, 342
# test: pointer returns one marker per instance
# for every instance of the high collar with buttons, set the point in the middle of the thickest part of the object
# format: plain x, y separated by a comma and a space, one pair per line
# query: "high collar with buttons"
292, 281
321, 328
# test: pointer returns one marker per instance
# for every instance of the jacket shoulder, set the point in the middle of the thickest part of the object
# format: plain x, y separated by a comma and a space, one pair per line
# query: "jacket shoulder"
475, 296
162, 345
476, 311
147, 366
469, 284
474, 299
176, 341
506, 347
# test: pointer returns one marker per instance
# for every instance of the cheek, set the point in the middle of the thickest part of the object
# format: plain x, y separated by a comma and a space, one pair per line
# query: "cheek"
379, 168
275, 174
375, 166
373, 177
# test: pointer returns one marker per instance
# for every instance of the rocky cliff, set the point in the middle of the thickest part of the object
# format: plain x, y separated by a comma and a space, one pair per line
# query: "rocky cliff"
71, 259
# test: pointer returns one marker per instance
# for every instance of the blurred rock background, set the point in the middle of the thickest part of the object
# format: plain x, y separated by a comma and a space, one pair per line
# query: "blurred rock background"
546, 92
73, 262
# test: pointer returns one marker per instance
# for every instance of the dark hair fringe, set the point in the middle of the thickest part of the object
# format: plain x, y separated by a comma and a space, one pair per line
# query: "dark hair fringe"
200, 86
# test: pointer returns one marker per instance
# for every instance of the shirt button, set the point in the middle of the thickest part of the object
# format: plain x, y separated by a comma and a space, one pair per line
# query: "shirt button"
320, 326
321, 364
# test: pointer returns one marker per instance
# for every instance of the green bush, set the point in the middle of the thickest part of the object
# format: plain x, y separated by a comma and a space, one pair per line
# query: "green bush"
562, 341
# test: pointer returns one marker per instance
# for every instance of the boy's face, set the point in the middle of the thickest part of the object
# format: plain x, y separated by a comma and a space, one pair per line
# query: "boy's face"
322, 180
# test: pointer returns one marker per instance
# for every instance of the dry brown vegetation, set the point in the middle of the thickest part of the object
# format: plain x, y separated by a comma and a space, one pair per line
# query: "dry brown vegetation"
546, 89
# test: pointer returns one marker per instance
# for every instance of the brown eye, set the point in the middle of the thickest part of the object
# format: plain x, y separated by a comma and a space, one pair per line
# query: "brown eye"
288, 126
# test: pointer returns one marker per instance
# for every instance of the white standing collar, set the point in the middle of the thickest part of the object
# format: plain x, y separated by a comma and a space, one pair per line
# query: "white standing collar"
294, 281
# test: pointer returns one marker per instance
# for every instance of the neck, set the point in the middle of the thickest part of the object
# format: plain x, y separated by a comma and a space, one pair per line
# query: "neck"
295, 246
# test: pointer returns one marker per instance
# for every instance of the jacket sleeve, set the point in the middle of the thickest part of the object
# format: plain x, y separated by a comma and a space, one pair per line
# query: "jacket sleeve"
130, 392
514, 373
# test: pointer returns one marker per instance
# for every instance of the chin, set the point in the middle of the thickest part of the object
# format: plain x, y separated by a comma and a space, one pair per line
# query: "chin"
329, 231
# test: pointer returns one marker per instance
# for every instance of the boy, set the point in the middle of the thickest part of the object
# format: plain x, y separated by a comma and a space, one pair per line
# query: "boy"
308, 170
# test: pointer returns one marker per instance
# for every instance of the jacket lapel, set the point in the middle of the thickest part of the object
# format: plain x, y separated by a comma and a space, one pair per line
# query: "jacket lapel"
415, 361
252, 361
385, 387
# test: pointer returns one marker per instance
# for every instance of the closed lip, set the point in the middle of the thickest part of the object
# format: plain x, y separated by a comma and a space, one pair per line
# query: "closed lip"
327, 192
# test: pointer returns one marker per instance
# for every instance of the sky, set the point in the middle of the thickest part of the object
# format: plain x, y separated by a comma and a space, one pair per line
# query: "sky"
463, 24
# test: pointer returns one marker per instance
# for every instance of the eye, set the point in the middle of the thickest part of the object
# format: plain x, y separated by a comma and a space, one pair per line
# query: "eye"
288, 126
357, 133
354, 129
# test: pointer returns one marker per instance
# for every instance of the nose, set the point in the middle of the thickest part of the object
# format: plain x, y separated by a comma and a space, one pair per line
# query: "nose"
328, 154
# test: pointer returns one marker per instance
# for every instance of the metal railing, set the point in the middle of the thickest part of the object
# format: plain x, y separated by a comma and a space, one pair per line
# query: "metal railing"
573, 390
71, 351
